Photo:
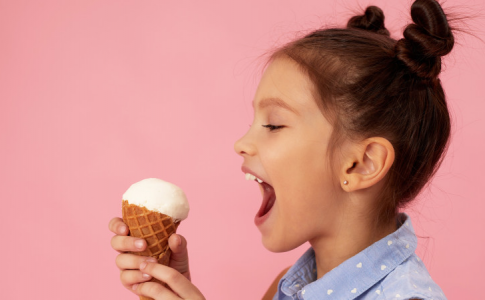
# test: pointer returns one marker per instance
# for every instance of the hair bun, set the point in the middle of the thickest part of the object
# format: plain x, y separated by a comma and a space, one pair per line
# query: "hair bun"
426, 40
372, 20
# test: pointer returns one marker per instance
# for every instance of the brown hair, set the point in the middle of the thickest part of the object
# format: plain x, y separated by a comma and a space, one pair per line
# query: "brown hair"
369, 84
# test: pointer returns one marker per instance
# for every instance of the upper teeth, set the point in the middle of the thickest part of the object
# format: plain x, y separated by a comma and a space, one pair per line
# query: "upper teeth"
252, 177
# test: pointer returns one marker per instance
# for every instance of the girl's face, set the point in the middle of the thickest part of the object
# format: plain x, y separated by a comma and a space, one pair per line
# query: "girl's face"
286, 147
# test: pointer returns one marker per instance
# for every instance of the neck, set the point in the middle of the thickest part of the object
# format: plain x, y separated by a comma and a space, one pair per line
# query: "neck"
349, 237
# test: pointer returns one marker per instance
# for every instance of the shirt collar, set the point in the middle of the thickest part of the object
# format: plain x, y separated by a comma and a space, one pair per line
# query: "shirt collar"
367, 267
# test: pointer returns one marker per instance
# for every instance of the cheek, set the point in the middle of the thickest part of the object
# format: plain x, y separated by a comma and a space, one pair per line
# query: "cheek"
305, 191
302, 169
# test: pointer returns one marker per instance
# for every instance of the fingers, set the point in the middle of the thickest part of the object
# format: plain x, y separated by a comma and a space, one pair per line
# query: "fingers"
155, 291
128, 243
121, 242
127, 261
178, 245
176, 281
179, 260
130, 277
117, 226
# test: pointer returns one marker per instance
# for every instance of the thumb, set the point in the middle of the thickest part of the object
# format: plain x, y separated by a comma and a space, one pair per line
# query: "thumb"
179, 260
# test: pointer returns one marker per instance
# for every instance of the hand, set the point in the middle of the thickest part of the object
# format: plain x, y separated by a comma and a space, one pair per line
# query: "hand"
129, 263
179, 287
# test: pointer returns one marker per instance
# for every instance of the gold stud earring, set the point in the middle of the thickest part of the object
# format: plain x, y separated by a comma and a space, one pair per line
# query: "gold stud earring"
346, 182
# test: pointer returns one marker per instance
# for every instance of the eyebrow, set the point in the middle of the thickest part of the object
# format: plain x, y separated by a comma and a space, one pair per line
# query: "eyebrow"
267, 102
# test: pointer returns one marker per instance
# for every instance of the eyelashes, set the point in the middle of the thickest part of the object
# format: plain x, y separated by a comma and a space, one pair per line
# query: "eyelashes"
273, 127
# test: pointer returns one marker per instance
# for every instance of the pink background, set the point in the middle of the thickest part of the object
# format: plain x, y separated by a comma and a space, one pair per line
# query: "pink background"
96, 95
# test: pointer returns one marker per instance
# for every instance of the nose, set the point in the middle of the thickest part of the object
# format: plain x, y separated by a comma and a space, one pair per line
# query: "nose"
245, 145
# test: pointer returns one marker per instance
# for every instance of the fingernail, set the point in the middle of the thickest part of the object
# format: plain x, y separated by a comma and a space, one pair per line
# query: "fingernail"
179, 240
122, 229
134, 287
139, 244
151, 259
143, 265
146, 276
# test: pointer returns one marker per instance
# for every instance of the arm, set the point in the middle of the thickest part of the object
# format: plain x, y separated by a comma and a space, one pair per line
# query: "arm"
274, 286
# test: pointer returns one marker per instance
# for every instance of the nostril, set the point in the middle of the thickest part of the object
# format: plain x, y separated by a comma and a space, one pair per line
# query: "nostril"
244, 146
239, 147
241, 152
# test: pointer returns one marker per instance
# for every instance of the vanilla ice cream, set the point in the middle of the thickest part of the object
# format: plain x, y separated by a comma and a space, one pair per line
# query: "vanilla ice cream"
160, 196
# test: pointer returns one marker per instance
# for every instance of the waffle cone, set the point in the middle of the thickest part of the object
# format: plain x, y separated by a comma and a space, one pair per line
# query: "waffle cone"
152, 226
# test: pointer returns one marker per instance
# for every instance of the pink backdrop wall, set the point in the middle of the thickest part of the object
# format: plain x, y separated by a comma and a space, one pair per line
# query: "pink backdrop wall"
96, 95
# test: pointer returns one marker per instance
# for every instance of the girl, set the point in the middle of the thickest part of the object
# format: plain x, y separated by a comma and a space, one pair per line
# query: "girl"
349, 126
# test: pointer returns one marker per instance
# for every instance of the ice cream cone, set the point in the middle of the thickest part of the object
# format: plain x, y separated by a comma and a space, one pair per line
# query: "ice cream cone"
152, 226
152, 209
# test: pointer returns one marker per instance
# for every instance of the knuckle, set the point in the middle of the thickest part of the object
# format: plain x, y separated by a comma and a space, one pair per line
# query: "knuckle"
120, 261
172, 275
121, 243
129, 243
148, 267
123, 277
112, 224
129, 261
151, 289
113, 242
184, 241
130, 277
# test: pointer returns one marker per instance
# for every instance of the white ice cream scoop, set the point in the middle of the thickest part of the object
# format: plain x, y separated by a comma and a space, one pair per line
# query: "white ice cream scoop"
160, 196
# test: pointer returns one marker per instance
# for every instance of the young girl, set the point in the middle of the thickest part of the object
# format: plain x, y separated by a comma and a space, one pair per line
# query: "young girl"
349, 126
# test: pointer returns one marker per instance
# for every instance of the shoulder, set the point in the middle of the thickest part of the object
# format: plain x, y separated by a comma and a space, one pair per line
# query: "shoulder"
274, 286
411, 280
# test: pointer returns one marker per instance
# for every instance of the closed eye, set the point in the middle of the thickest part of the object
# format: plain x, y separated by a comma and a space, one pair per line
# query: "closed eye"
273, 127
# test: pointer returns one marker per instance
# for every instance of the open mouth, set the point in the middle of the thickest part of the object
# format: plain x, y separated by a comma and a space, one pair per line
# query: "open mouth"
269, 198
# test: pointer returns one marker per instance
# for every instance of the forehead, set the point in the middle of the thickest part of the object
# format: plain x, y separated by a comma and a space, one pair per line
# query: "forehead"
283, 79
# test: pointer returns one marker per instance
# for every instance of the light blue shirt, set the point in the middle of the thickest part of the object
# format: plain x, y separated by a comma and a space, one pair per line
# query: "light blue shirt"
388, 269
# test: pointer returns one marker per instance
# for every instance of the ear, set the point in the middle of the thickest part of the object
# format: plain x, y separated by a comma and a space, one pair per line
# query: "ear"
367, 163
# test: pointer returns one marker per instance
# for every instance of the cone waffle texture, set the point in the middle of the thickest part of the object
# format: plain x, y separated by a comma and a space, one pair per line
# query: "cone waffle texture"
152, 226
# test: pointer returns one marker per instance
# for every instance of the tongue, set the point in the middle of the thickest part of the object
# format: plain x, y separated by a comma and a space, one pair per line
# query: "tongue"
269, 199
